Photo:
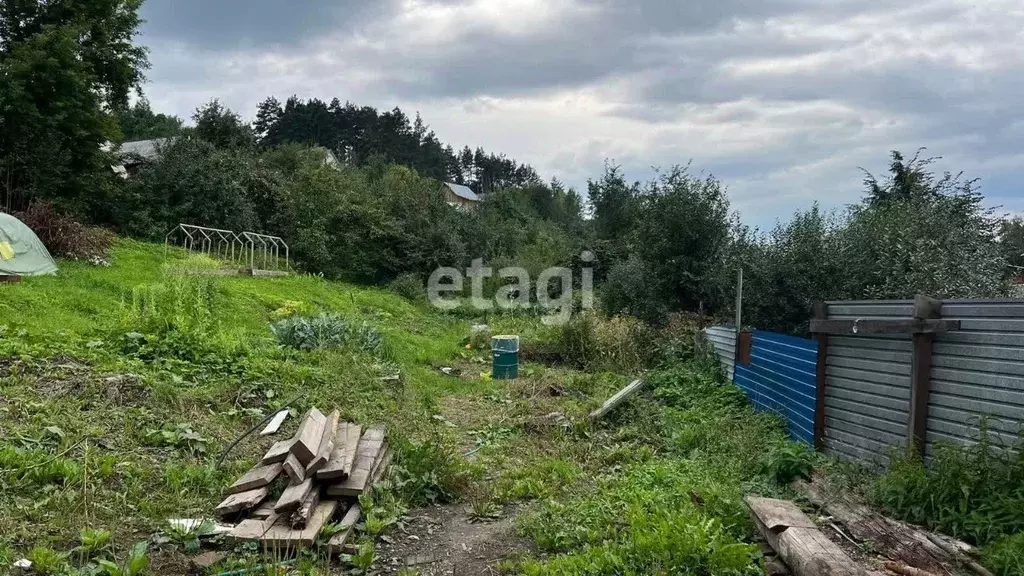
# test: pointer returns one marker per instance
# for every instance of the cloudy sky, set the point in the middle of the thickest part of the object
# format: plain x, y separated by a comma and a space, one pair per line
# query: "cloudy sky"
783, 100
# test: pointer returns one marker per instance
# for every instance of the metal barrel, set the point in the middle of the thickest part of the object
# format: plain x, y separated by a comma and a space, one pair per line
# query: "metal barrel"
505, 352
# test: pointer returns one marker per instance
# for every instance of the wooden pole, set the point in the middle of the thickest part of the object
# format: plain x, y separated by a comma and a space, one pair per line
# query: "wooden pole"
821, 369
739, 301
925, 308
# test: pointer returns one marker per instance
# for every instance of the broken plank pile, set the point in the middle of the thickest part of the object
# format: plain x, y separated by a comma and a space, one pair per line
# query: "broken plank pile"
301, 484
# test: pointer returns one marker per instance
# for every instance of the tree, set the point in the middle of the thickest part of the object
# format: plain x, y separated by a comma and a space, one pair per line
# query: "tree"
139, 122
222, 127
63, 65
1011, 239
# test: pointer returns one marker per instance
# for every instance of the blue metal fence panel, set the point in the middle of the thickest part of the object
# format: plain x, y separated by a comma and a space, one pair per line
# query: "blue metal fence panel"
782, 377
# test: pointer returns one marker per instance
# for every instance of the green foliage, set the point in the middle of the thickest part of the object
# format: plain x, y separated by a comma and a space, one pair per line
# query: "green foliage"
326, 331
971, 492
628, 290
1006, 555
427, 472
47, 562
95, 543
621, 344
134, 565
64, 236
792, 461
222, 127
1011, 240
181, 436
139, 122
409, 286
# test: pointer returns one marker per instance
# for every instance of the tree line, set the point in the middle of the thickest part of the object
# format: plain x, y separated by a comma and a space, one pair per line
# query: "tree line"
671, 244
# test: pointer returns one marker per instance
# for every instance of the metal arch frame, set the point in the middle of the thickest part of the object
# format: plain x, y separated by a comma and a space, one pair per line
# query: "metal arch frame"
244, 248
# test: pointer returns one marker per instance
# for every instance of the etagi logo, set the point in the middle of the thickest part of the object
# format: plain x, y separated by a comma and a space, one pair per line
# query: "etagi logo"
515, 294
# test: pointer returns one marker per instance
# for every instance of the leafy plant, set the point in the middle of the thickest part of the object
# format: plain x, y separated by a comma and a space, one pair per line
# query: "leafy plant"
47, 562
1006, 555
427, 472
179, 436
791, 461
135, 564
363, 559
95, 543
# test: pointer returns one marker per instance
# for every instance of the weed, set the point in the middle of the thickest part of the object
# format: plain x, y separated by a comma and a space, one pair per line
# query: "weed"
539, 479
134, 565
1006, 555
325, 331
94, 544
970, 492
427, 472
47, 562
794, 460
181, 436
363, 559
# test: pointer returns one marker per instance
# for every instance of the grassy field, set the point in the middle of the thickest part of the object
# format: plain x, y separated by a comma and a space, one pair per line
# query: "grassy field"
120, 385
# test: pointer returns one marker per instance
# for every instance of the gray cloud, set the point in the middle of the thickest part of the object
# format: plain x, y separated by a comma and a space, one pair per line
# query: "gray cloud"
782, 99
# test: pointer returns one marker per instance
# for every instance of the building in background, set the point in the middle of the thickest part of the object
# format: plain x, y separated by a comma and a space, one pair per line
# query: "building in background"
459, 196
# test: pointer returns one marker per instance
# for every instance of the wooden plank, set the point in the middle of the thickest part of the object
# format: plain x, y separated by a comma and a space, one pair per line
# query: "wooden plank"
336, 545
295, 471
258, 477
275, 423
323, 453
339, 465
242, 501
278, 452
821, 378
920, 390
307, 439
251, 529
619, 397
10, 279
266, 510
370, 447
927, 308
300, 518
870, 326
282, 537
293, 496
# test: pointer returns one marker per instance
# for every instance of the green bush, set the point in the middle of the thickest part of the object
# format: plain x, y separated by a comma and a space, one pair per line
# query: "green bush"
620, 344
427, 472
1005, 556
326, 331
409, 286
971, 492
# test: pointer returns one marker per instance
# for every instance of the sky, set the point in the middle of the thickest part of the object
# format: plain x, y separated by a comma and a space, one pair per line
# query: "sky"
784, 101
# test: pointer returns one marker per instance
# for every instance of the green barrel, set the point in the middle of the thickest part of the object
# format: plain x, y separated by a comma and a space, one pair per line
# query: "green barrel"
505, 350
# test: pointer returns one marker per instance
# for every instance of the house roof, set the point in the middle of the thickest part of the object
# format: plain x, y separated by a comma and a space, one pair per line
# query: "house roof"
147, 149
462, 192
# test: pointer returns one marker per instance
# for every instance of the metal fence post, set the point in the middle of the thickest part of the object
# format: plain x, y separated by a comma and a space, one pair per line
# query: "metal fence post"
821, 369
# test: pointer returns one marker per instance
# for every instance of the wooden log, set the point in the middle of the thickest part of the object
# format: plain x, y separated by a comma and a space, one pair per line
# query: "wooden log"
300, 518
258, 477
307, 439
282, 537
615, 401
798, 541
278, 452
890, 538
242, 501
336, 545
293, 496
323, 453
295, 471
339, 465
370, 447
275, 423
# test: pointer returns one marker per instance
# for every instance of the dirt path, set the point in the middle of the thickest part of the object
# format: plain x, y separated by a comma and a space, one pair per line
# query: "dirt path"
443, 541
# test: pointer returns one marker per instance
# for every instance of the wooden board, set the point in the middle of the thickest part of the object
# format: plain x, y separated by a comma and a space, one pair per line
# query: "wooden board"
242, 501
336, 545
251, 529
295, 471
266, 510
777, 515
339, 465
293, 496
370, 447
897, 326
282, 537
323, 454
300, 518
307, 439
258, 477
616, 400
278, 452
275, 423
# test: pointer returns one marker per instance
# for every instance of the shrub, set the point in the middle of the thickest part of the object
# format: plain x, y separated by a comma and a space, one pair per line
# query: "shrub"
64, 236
1006, 555
409, 286
593, 343
971, 492
427, 472
326, 331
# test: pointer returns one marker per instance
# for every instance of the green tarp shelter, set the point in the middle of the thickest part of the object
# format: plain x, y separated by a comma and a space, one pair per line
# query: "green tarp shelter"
21, 252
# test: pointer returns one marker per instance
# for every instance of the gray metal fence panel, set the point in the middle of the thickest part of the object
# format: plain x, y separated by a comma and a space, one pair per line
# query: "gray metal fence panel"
978, 372
867, 394
723, 338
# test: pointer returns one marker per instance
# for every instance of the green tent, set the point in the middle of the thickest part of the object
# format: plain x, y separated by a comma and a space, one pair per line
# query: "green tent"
21, 252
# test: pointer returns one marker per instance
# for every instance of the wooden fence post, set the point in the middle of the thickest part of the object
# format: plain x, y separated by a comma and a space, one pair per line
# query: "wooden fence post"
925, 308
820, 313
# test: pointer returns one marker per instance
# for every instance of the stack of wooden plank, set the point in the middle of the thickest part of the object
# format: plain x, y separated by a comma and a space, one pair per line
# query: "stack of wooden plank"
314, 477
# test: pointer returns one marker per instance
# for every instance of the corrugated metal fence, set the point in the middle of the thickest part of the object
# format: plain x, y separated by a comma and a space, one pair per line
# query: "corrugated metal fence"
723, 339
781, 378
976, 372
